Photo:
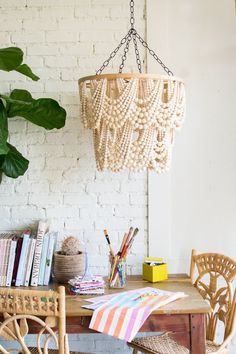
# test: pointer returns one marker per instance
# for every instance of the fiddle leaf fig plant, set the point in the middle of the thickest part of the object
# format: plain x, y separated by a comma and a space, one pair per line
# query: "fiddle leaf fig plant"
44, 112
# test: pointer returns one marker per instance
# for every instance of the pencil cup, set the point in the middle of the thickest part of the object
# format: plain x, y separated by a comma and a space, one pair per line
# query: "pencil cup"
117, 272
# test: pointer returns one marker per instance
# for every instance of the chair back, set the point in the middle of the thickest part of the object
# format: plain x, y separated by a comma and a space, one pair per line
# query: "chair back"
215, 282
44, 311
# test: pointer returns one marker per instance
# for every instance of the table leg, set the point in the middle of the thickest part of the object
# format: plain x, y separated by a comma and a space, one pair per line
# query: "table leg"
197, 334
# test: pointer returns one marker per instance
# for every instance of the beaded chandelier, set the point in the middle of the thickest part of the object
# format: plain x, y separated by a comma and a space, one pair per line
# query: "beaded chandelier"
133, 116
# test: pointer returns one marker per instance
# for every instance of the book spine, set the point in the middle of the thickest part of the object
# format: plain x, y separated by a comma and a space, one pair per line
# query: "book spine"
43, 259
51, 245
11, 262
3, 260
1, 243
17, 258
42, 229
27, 259
22, 261
6, 260
30, 262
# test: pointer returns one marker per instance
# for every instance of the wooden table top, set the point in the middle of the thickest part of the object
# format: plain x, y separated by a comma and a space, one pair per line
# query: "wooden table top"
194, 303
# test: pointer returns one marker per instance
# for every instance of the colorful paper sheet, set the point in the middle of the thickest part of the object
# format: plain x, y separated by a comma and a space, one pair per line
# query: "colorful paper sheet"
124, 314
105, 298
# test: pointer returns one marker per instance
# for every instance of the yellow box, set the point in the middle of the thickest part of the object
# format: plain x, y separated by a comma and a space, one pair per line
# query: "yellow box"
155, 273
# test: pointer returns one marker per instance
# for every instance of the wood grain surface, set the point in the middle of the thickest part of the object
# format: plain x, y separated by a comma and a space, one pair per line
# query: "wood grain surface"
193, 303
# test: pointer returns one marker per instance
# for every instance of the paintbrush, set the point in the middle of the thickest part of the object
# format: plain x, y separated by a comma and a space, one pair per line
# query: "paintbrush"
109, 243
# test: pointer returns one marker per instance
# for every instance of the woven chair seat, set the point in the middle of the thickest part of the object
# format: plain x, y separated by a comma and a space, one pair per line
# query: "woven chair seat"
212, 348
52, 351
164, 344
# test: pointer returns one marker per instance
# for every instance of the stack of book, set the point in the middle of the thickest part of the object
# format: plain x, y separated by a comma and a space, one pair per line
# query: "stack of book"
27, 259
93, 286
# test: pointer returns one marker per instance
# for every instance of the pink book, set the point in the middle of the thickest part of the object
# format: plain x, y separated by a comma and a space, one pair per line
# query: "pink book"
1, 256
3, 253
6, 259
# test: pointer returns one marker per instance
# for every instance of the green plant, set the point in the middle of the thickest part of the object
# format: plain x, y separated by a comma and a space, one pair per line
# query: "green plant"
44, 112
70, 246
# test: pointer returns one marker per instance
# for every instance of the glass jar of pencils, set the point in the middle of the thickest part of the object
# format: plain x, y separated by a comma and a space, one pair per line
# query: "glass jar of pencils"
117, 272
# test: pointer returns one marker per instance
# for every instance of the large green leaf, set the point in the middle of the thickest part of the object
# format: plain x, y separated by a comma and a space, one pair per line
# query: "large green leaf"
10, 58
21, 95
2, 157
3, 130
44, 112
14, 164
25, 70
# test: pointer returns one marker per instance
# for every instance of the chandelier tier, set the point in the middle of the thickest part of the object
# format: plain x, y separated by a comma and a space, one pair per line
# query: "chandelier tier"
133, 116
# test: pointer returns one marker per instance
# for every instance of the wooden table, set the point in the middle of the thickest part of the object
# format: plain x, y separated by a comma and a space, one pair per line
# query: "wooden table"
184, 317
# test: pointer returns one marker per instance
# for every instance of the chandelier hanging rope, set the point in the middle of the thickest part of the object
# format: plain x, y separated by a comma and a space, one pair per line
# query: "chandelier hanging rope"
133, 116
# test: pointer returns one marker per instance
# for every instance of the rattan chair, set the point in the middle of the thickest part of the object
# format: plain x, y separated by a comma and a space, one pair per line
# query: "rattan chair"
214, 281
44, 310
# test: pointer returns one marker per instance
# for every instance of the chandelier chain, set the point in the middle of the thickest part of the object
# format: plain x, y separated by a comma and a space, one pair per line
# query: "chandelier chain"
155, 56
132, 13
112, 55
132, 33
124, 56
137, 52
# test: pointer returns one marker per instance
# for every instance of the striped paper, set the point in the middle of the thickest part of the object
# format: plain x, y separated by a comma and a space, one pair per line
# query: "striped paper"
124, 314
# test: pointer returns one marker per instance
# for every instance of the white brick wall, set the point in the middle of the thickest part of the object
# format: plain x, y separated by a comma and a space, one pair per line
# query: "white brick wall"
64, 40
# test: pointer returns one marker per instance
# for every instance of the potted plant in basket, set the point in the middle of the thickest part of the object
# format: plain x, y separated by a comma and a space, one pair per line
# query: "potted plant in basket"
69, 261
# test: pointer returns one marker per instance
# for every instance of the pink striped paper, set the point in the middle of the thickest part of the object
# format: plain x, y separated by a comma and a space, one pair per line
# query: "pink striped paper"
124, 314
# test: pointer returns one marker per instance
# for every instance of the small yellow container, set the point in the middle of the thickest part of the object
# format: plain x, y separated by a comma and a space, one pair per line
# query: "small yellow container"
155, 273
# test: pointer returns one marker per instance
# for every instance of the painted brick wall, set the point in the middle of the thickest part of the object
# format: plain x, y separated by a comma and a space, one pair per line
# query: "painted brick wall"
64, 40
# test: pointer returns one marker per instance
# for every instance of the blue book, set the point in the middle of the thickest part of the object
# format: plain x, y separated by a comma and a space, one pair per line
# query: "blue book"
43, 259
22, 262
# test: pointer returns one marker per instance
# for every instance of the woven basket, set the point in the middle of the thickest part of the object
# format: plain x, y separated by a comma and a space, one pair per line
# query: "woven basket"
67, 267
